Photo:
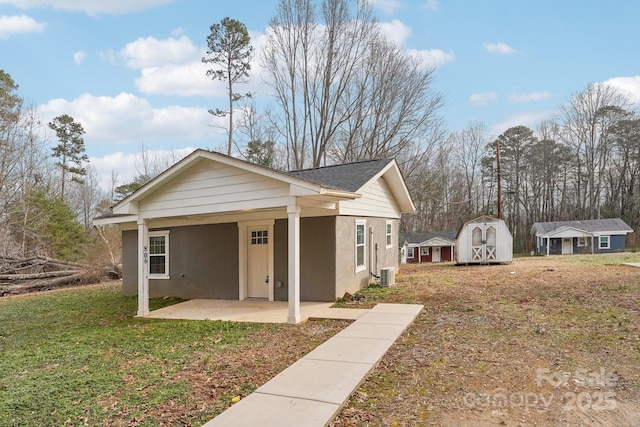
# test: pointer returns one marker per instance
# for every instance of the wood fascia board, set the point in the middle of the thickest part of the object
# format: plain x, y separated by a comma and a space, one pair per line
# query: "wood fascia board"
119, 219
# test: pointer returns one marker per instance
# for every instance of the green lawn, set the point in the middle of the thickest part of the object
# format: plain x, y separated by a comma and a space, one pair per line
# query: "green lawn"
78, 357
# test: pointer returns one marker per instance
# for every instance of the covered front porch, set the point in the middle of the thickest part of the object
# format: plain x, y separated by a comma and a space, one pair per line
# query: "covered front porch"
251, 310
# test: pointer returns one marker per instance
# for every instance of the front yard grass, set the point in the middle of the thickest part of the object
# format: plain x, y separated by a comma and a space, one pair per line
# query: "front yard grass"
79, 357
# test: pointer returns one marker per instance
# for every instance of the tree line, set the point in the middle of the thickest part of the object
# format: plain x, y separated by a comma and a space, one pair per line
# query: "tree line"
341, 92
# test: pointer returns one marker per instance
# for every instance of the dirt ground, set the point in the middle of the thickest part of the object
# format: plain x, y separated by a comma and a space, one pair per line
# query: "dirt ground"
544, 341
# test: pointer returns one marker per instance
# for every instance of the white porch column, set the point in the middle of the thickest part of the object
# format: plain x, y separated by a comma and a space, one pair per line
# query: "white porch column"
293, 215
143, 277
548, 244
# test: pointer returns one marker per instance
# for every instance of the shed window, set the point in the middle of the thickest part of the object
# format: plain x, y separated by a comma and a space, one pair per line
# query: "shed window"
424, 250
360, 243
582, 241
410, 253
389, 231
604, 242
159, 255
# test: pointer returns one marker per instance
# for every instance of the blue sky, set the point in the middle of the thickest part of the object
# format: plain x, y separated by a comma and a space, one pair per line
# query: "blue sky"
130, 72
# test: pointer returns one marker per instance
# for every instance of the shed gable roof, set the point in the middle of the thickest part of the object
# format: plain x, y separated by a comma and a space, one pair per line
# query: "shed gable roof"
607, 225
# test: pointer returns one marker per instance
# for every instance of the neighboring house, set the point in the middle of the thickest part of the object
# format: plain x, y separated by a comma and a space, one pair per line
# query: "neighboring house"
484, 240
428, 247
212, 226
590, 236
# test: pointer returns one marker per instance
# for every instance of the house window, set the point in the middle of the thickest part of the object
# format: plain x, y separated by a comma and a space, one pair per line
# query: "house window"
159, 255
389, 230
604, 242
360, 245
582, 241
410, 253
260, 237
424, 250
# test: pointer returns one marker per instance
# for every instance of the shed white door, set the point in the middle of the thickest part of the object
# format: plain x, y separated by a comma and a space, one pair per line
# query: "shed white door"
435, 254
258, 262
567, 245
483, 242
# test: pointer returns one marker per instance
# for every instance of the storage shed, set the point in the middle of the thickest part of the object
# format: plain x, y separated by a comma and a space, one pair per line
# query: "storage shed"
484, 240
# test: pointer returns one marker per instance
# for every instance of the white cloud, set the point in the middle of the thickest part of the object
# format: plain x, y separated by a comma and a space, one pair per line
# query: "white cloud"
433, 5
78, 57
395, 31
90, 7
529, 97
151, 52
127, 119
482, 98
18, 24
499, 48
388, 7
627, 85
433, 58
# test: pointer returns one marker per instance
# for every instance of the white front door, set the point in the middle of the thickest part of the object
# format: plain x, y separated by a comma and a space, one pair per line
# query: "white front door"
258, 262
567, 246
435, 254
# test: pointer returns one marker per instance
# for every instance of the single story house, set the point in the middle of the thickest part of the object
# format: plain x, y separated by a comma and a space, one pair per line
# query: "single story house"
428, 247
213, 226
591, 236
484, 240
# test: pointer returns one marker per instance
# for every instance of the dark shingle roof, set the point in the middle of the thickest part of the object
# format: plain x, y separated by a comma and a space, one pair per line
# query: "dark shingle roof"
348, 177
590, 225
423, 237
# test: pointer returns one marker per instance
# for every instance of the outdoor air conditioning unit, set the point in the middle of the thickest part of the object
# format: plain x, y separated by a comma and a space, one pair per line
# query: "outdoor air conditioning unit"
387, 277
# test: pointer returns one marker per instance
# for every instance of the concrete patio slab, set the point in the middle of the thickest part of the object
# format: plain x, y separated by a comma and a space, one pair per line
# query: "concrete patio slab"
250, 310
311, 391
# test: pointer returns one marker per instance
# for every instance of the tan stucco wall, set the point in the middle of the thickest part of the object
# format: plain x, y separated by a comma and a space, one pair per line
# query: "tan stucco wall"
347, 280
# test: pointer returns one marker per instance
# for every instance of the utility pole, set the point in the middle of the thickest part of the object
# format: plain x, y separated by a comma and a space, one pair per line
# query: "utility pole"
499, 179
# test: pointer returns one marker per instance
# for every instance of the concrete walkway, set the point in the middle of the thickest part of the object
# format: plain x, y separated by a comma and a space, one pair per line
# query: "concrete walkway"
313, 390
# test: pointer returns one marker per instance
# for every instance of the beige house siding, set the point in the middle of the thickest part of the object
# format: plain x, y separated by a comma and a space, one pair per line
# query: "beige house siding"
377, 200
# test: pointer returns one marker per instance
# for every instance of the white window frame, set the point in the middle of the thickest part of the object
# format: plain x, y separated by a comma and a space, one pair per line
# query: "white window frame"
608, 246
363, 224
410, 252
424, 250
582, 241
388, 228
165, 234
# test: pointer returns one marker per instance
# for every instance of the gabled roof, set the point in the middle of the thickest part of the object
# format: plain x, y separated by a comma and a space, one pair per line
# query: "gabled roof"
354, 176
593, 226
348, 177
417, 238
330, 183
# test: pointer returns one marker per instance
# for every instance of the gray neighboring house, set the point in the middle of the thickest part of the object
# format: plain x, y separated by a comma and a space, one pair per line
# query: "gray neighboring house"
212, 226
590, 236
